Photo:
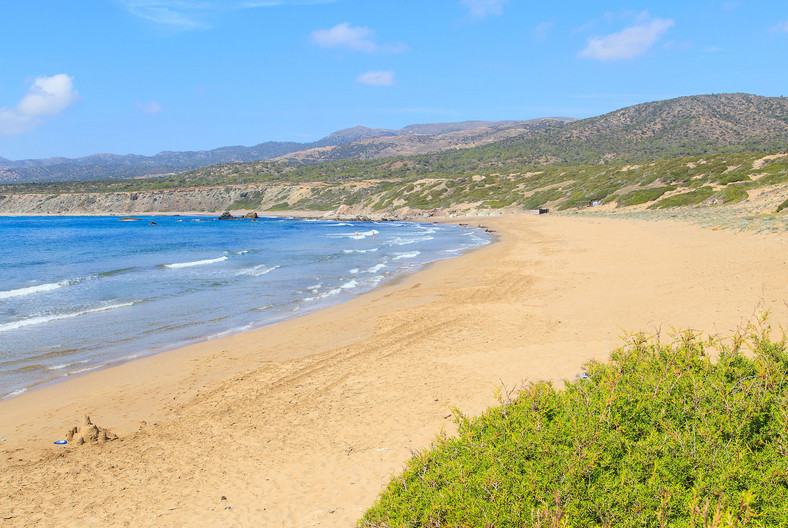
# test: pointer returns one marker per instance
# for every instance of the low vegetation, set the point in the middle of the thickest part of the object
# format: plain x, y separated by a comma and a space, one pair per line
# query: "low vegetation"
694, 433
388, 184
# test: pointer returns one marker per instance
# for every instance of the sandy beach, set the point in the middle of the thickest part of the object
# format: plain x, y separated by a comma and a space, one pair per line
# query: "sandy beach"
303, 423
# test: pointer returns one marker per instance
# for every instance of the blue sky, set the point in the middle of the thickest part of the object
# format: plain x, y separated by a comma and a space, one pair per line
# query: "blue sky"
142, 76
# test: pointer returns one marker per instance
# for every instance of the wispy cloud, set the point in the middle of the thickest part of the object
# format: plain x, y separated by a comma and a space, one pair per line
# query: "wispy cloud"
353, 38
47, 96
782, 26
151, 107
541, 30
182, 14
346, 36
197, 14
677, 45
629, 42
483, 8
377, 78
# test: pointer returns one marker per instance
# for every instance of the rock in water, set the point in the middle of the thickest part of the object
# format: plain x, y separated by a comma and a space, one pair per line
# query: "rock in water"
226, 216
251, 214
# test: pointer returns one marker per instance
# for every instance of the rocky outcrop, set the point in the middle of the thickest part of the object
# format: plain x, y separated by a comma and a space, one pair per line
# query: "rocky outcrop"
197, 200
235, 199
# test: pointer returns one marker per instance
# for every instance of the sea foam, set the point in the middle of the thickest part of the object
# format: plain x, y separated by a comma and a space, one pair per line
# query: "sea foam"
408, 255
360, 250
403, 241
257, 271
29, 290
194, 263
32, 321
376, 268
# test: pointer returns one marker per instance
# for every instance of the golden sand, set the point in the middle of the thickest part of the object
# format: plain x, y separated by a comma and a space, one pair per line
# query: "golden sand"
303, 423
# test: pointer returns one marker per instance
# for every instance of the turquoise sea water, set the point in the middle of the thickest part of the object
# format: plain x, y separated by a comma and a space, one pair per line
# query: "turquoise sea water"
81, 293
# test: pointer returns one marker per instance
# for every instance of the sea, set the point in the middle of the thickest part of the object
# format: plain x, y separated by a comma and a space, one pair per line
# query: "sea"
84, 293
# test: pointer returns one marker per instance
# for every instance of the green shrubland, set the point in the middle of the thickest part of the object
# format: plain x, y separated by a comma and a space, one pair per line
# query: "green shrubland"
693, 197
643, 195
692, 433
442, 180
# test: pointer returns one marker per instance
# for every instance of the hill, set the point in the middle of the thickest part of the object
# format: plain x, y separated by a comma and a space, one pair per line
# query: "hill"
423, 139
692, 151
702, 124
114, 166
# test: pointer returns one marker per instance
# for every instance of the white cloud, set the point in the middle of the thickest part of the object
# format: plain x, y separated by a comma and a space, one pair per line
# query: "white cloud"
47, 96
782, 26
194, 14
627, 43
152, 107
483, 8
353, 38
377, 78
346, 36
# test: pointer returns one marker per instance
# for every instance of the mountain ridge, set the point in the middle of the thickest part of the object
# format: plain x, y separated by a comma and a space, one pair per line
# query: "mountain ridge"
699, 124
167, 162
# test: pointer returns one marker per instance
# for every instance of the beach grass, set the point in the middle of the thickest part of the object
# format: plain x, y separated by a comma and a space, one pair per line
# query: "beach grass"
690, 433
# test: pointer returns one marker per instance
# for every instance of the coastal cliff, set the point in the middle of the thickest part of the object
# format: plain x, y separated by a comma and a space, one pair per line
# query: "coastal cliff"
203, 199
757, 181
352, 200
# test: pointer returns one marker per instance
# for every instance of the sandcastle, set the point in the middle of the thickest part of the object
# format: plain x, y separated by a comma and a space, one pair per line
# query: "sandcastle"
88, 432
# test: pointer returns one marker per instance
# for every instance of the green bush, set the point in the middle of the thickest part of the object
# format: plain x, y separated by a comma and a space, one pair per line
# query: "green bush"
733, 193
248, 200
733, 178
661, 435
782, 206
687, 198
540, 198
643, 195
284, 206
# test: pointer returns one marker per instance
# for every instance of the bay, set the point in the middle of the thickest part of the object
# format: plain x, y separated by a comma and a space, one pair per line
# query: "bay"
82, 293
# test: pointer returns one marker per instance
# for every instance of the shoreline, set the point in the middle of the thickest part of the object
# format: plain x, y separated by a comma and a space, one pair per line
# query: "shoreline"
143, 352
304, 421
135, 367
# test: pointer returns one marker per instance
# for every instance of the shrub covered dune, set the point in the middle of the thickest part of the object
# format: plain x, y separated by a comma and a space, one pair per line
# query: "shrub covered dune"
693, 433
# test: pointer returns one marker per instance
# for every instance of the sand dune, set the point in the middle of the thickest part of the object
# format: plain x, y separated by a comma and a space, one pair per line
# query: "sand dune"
302, 423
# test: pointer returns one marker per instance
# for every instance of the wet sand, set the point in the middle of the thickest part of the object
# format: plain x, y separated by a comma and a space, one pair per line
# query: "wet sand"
304, 422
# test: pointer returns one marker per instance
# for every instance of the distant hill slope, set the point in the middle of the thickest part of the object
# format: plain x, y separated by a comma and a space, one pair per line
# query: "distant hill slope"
423, 139
674, 127
114, 166
685, 126
663, 129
